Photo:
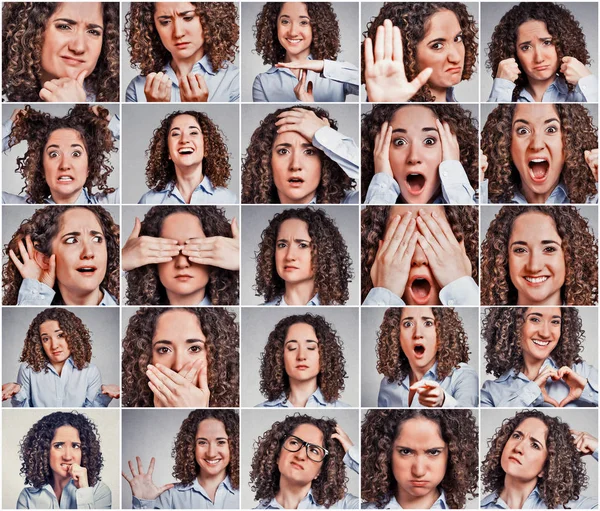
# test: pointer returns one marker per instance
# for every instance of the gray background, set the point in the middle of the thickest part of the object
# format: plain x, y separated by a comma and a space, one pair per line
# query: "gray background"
586, 13
102, 322
259, 322
347, 14
257, 218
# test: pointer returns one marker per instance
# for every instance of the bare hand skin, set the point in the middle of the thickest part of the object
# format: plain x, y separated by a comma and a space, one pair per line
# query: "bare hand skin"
508, 69
65, 90
303, 91
341, 436
79, 475
31, 266
9, 390
142, 250
430, 393
112, 391
307, 64
158, 88
541, 381
575, 382
193, 89
302, 121
483, 165
591, 158
381, 151
188, 388
142, 485
584, 442
450, 147
573, 70
218, 251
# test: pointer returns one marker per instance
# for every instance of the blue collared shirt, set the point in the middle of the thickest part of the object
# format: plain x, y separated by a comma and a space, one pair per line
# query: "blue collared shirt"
92, 497
557, 196
334, 83
223, 85
516, 390
280, 300
72, 388
316, 400
34, 292
461, 388
586, 90
205, 193
440, 503
193, 496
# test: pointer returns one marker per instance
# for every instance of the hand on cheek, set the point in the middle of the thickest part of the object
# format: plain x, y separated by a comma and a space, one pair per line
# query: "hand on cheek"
450, 147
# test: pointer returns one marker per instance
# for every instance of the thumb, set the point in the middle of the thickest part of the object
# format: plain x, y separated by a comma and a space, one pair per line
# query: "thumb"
81, 77
137, 227
235, 230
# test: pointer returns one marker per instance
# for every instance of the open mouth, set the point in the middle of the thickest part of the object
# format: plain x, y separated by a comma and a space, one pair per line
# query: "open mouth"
65, 179
86, 270
536, 280
542, 344
420, 289
213, 462
539, 169
294, 41
419, 350
296, 181
415, 182
186, 150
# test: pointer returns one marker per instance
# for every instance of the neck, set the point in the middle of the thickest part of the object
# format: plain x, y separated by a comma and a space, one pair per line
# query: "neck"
407, 501
191, 299
183, 67
290, 495
537, 198
88, 298
531, 368
58, 485
537, 88
299, 293
439, 93
298, 57
553, 299
187, 180
304, 200
58, 367
211, 483
418, 373
515, 492
300, 392
66, 199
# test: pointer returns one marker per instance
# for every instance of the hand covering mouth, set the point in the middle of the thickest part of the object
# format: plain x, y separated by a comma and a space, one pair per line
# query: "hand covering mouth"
539, 168
415, 182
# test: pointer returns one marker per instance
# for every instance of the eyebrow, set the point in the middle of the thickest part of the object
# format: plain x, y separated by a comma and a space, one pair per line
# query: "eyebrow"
75, 233
55, 331
413, 449
295, 340
543, 242
411, 317
297, 240
425, 129
539, 315
73, 22
547, 121
218, 438
549, 38
170, 343
178, 128
532, 438
57, 146
180, 14
288, 16
287, 144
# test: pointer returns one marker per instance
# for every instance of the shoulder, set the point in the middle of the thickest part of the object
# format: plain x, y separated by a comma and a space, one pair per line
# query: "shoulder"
153, 197
464, 369
225, 195
11, 198
106, 198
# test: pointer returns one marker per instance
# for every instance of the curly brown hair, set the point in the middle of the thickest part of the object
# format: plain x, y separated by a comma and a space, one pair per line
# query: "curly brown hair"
222, 353
452, 344
460, 121
380, 429
43, 227
325, 32
258, 186
330, 258
413, 20
578, 135
578, 243
143, 284
160, 170
24, 26
35, 128
327, 488
35, 448
186, 467
219, 25
564, 475
76, 334
274, 381
501, 329
567, 36
464, 221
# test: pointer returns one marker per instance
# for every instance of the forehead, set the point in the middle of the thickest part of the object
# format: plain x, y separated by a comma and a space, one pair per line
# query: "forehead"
535, 428
293, 9
309, 433
300, 331
181, 227
184, 121
66, 433
79, 220
211, 428
533, 227
535, 114
417, 312
419, 431
530, 29
64, 137
177, 323
172, 8
415, 117
88, 12
440, 23
290, 137
49, 326
293, 228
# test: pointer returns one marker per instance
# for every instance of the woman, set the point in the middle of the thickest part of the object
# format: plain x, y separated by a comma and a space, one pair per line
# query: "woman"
56, 370
300, 463
544, 154
303, 260
439, 44
419, 255
184, 51
538, 53
301, 41
539, 255
534, 462
297, 156
423, 353
185, 357
67, 255
418, 459
302, 364
419, 155
61, 461
183, 255
188, 162
67, 52
66, 156
534, 353
206, 453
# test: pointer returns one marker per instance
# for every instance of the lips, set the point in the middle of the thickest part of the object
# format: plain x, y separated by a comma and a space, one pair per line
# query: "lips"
301, 367
417, 483
296, 182
297, 466
294, 41
536, 281
65, 179
515, 460
453, 70
420, 287
182, 45
541, 68
290, 268
538, 168
186, 150
213, 462
183, 277
540, 343
419, 350
87, 270
415, 182
71, 61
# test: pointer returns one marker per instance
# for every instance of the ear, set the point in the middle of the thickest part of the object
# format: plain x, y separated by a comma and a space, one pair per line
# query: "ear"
43, 261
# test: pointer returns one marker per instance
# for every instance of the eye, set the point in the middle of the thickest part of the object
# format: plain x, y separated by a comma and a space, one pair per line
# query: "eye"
556, 322
222, 442
304, 23
407, 324
533, 319
45, 339
95, 32
76, 154
315, 450
292, 347
430, 141
188, 18
282, 151
399, 142
53, 154
310, 152
202, 442
429, 323
293, 442
59, 445
63, 26
196, 348
76, 445
164, 23
404, 452
71, 240
163, 350
525, 47
303, 244
548, 42
281, 244
437, 46
195, 132
61, 335
434, 452
550, 250
519, 250
552, 129
311, 348
458, 38
522, 131
515, 435
98, 239
284, 21
535, 446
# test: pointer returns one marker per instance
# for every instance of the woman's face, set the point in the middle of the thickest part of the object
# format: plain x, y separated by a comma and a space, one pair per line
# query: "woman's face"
65, 450
525, 452
418, 337
54, 342
540, 333
296, 467
536, 149
419, 458
186, 142
72, 40
65, 162
301, 355
180, 30
296, 166
185, 282
416, 154
536, 261
536, 51
442, 49
212, 448
294, 30
293, 254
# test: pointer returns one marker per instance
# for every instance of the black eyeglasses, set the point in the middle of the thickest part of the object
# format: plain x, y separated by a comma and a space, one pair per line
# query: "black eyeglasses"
313, 451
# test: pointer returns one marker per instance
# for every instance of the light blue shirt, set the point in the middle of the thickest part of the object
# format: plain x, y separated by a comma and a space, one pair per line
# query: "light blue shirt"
558, 196
334, 83
516, 390
223, 85
316, 400
586, 90
34, 292
279, 300
461, 388
205, 193
92, 497
72, 388
193, 496
440, 503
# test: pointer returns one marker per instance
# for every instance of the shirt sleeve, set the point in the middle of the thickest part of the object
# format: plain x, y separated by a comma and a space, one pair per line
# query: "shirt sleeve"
131, 94
511, 393
464, 389
502, 91
234, 89
342, 72
383, 189
587, 87
483, 192
456, 188
340, 148
258, 91
352, 459
94, 497
94, 396
462, 291
114, 125
383, 296
22, 399
23, 500
33, 292
6, 129
590, 391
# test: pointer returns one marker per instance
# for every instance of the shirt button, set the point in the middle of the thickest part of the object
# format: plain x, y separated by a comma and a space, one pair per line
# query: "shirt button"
445, 174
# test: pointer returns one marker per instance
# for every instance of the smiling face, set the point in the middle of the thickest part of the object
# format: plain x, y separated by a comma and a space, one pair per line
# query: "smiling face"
537, 149
294, 30
540, 333
296, 467
65, 450
72, 40
525, 452
418, 337
54, 342
536, 261
293, 254
536, 52
301, 357
212, 449
180, 30
186, 142
416, 154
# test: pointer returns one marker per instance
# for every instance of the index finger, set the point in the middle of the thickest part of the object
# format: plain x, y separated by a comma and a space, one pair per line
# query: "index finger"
368, 53
398, 50
151, 466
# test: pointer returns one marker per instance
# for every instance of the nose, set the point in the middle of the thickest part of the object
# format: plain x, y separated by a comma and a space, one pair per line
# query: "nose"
181, 261
77, 42
53, 343
419, 468
178, 31
414, 155
534, 262
290, 254
301, 454
536, 141
538, 54
519, 446
210, 449
296, 160
453, 53
67, 453
544, 329
417, 331
179, 362
419, 257
65, 162
301, 353
87, 249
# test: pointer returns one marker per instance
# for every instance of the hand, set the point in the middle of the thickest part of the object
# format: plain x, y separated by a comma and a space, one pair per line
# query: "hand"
302, 121
302, 91
508, 69
308, 65
575, 382
66, 90
9, 390
16, 113
341, 436
193, 88
447, 257
541, 380
450, 147
381, 151
591, 158
573, 70
216, 251
158, 88
79, 475
112, 391
483, 165
430, 393
142, 250
96, 110
392, 261
385, 78
33, 265
187, 389
584, 442
142, 485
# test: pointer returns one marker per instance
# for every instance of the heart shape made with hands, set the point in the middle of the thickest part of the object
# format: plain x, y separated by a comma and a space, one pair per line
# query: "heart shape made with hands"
570, 378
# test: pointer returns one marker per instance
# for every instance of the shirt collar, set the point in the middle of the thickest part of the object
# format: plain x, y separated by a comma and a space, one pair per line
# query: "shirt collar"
273, 504
197, 487
283, 400
440, 503
205, 185
559, 84
107, 298
557, 196
200, 67
84, 198
429, 375
494, 498
511, 373
313, 301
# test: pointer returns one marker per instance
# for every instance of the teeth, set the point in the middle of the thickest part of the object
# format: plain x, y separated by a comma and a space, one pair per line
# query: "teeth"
540, 343
294, 40
187, 150
540, 160
65, 178
536, 280
212, 462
